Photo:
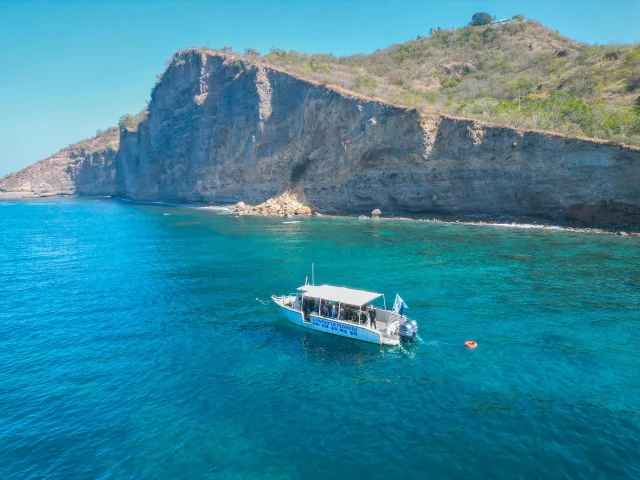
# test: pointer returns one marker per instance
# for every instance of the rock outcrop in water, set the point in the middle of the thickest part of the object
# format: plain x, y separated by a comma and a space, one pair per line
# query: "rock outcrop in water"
223, 131
285, 205
85, 168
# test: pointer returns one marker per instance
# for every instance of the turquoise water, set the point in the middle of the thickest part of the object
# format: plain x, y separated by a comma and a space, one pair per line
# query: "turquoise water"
132, 346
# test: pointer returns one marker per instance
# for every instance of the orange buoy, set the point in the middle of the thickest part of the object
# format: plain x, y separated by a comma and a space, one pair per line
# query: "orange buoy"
470, 344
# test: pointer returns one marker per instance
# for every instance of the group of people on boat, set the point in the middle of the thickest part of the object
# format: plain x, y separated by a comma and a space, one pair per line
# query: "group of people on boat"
365, 315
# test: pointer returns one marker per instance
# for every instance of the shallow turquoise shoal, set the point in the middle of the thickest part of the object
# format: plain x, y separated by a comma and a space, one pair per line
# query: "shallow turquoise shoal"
132, 346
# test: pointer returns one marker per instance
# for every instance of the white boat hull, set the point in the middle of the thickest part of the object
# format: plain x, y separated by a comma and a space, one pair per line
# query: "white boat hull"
333, 326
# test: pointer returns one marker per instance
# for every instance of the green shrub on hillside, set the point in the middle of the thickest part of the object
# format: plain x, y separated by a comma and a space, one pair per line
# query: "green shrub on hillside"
480, 18
363, 82
633, 57
451, 82
612, 55
131, 122
126, 121
317, 67
560, 112
633, 82
279, 53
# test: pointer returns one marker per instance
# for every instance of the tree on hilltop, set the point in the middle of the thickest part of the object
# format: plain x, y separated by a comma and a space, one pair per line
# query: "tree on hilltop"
480, 18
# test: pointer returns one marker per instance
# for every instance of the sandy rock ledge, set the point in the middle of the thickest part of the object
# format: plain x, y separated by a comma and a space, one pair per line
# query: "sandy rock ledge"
285, 204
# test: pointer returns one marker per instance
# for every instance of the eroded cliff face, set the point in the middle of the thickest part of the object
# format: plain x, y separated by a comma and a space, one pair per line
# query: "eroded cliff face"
222, 131
473, 168
85, 168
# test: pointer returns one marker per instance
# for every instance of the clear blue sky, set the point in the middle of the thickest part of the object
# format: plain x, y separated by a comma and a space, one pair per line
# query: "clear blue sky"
69, 68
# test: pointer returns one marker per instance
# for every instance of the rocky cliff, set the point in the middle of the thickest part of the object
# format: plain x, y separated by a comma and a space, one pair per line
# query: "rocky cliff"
86, 167
221, 130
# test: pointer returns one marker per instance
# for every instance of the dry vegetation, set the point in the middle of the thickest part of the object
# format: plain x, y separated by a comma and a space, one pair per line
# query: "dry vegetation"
518, 74
103, 139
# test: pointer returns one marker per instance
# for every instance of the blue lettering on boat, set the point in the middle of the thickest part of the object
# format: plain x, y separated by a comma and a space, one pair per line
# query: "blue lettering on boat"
337, 327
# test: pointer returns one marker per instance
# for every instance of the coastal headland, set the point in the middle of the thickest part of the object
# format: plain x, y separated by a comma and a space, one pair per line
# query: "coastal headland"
219, 130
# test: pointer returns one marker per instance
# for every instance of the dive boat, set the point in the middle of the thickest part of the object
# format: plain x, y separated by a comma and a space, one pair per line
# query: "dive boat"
348, 313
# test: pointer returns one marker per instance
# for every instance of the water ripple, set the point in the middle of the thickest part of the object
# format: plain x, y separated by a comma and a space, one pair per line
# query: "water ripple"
131, 346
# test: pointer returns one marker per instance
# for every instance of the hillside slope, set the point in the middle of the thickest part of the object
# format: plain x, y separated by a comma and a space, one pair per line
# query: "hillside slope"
518, 74
85, 168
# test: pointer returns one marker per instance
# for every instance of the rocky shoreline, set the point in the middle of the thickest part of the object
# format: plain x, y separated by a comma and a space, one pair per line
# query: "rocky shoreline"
289, 206
522, 225
513, 222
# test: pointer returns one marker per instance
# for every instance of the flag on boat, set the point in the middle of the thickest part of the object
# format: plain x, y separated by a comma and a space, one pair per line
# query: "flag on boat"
399, 305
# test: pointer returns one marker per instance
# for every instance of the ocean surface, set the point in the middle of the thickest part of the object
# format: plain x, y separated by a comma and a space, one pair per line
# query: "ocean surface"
136, 341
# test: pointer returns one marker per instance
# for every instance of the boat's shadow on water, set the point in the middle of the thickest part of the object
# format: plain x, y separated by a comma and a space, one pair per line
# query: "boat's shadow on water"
322, 346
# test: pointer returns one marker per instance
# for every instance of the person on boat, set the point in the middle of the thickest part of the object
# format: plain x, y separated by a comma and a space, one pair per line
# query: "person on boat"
298, 304
324, 311
333, 311
372, 316
348, 314
306, 308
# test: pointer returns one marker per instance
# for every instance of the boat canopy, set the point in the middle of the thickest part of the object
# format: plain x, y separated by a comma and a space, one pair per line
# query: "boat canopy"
339, 294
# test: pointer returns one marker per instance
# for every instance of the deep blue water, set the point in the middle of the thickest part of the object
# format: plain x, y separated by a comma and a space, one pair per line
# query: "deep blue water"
132, 346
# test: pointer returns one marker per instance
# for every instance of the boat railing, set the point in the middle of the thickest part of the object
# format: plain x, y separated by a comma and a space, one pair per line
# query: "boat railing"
391, 319
290, 300
286, 300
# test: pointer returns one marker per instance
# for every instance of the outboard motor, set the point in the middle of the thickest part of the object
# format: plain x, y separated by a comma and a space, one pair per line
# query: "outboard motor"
408, 330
